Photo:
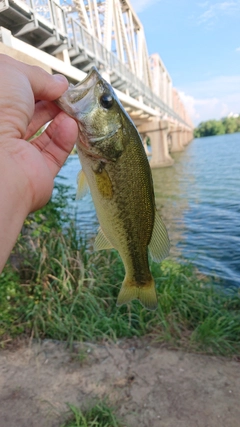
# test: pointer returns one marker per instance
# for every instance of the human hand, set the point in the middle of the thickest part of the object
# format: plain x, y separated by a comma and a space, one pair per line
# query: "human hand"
26, 97
27, 169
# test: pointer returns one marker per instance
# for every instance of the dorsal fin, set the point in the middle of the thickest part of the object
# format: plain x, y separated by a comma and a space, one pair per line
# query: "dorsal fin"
102, 242
159, 245
82, 187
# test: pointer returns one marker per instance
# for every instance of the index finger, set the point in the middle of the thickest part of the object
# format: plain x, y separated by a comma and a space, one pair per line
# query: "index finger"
44, 85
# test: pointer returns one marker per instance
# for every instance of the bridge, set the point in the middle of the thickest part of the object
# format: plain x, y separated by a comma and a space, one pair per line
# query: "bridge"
69, 36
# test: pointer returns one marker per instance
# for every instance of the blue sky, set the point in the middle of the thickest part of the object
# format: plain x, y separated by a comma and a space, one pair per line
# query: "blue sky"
199, 43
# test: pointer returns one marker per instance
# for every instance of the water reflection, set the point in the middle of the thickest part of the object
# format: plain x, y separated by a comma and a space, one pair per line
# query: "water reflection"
171, 188
199, 200
83, 210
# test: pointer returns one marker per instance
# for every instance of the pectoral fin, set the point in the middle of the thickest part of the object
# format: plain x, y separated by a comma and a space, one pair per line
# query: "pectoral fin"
82, 187
159, 245
104, 183
102, 242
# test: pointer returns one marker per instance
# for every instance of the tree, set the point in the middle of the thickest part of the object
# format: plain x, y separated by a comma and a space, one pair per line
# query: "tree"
230, 124
218, 127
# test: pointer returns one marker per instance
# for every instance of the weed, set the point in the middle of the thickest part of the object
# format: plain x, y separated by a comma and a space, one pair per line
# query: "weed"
100, 415
55, 286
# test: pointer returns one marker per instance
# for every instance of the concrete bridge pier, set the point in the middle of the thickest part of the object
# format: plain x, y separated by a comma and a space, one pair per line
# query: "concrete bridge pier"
157, 131
177, 143
187, 137
184, 138
180, 138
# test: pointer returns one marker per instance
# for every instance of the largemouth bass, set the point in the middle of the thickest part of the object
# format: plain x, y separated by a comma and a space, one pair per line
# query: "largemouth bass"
116, 168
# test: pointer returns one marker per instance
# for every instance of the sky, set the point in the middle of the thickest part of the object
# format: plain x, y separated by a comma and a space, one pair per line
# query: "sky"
199, 43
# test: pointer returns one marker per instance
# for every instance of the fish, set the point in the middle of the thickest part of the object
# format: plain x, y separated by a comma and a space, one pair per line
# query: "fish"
116, 168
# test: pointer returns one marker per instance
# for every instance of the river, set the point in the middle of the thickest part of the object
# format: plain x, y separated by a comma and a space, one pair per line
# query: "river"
199, 200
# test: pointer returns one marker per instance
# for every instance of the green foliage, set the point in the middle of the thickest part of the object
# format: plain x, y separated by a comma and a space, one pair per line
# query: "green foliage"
9, 290
195, 314
55, 286
231, 124
52, 216
100, 415
212, 127
218, 127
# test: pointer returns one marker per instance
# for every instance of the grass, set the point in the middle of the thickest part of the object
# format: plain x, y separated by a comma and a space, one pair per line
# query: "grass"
100, 415
54, 286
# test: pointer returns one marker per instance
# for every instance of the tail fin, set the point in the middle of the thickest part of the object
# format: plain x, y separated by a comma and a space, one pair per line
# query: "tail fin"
146, 294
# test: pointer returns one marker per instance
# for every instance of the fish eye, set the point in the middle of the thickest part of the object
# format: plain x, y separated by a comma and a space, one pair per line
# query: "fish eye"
106, 101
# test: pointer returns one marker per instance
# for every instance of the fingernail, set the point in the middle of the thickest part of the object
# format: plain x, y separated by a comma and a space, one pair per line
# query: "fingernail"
60, 78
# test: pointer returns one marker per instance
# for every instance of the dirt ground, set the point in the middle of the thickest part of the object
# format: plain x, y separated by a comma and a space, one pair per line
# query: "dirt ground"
151, 386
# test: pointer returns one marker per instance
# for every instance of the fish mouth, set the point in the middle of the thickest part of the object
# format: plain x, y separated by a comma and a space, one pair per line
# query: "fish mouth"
88, 82
77, 101
69, 101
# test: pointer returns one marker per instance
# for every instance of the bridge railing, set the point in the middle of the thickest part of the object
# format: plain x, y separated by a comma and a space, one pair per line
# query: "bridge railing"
48, 12
59, 17
121, 77
85, 43
85, 49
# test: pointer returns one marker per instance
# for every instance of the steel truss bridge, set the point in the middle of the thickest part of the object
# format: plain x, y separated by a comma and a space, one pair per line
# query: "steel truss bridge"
104, 33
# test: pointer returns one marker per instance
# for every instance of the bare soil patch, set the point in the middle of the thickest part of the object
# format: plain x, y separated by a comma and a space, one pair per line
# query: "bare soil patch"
151, 386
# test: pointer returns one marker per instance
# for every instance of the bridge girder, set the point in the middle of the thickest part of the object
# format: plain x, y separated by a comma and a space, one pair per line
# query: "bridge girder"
115, 24
105, 33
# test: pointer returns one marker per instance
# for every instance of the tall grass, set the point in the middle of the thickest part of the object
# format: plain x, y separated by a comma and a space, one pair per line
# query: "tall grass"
56, 287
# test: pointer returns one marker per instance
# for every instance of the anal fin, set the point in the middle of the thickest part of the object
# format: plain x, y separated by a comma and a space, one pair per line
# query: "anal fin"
101, 241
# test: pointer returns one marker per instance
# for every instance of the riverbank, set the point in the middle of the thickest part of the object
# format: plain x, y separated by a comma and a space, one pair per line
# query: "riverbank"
55, 286
58, 298
148, 385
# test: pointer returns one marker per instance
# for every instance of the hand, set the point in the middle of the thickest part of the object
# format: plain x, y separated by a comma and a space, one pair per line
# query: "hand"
25, 105
27, 169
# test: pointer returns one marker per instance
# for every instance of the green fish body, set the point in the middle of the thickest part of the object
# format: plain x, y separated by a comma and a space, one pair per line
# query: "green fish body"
116, 168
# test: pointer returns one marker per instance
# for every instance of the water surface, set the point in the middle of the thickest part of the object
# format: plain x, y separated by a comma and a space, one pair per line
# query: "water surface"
199, 199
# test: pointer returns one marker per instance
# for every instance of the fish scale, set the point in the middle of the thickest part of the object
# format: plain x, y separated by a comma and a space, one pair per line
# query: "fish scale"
116, 168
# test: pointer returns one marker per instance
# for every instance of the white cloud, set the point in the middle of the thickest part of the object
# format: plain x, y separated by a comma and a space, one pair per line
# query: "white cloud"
140, 5
213, 11
205, 108
189, 102
238, 49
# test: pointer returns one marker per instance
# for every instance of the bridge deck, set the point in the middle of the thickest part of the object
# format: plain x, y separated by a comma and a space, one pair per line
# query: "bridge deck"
49, 30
